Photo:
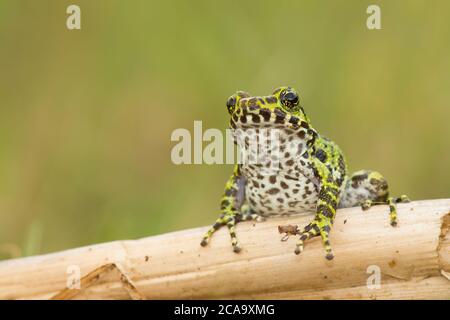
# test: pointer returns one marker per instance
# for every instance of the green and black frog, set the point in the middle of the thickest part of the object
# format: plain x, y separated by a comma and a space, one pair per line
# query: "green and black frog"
304, 172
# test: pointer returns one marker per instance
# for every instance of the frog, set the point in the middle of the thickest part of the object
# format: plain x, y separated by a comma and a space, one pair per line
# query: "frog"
310, 175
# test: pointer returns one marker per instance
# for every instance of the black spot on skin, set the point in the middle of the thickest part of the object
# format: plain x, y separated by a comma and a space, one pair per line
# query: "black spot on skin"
304, 125
271, 99
321, 155
325, 210
273, 191
356, 180
341, 164
294, 120
252, 202
301, 134
316, 173
265, 113
307, 191
279, 119
273, 179
243, 119
290, 162
295, 190
255, 184
316, 228
279, 112
225, 203
290, 178
256, 118
360, 177
284, 185
280, 200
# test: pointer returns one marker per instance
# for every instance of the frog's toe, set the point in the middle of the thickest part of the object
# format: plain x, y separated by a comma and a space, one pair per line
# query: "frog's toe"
329, 256
366, 204
403, 199
299, 247
237, 248
260, 219
308, 233
204, 242
234, 241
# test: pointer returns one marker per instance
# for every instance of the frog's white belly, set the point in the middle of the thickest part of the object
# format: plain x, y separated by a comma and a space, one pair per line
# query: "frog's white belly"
280, 194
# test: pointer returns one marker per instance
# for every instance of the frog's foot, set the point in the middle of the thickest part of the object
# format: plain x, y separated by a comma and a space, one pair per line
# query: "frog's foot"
312, 230
230, 221
391, 201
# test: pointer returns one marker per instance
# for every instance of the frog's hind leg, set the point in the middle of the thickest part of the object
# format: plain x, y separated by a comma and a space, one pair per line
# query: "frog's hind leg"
366, 188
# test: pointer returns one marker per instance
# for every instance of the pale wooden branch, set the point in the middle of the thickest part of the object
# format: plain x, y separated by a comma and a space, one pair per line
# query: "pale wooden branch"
414, 260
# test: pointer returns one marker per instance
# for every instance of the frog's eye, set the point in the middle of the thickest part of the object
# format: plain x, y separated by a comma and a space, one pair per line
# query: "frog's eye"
289, 98
231, 103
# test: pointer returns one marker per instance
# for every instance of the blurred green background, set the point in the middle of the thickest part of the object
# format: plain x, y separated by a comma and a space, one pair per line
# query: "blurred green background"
86, 116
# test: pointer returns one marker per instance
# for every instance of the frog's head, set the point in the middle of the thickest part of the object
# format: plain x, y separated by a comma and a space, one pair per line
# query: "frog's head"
281, 109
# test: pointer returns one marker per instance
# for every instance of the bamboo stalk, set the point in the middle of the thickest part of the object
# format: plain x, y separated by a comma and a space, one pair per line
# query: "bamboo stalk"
413, 260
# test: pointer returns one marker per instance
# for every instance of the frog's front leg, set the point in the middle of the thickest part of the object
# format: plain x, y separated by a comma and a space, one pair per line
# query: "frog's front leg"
325, 212
230, 207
